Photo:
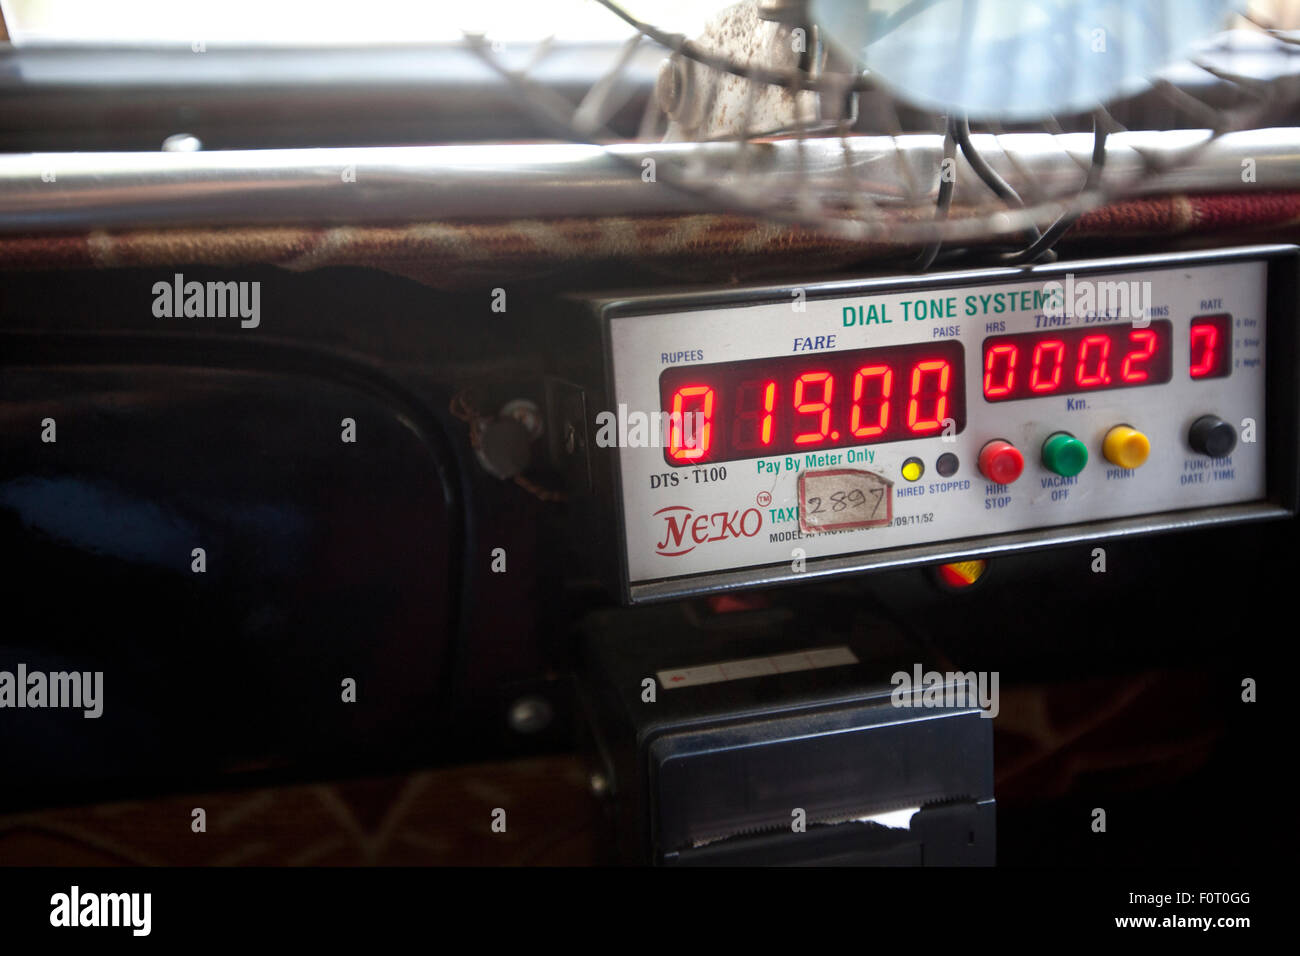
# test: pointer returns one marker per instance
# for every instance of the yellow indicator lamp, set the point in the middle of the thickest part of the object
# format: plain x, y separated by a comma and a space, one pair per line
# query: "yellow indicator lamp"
913, 469
1126, 447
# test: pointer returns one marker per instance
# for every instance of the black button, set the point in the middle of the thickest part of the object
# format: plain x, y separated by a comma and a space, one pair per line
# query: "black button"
1211, 435
946, 465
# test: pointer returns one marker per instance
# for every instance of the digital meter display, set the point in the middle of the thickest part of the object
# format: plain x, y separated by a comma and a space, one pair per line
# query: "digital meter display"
777, 406
750, 444
1066, 361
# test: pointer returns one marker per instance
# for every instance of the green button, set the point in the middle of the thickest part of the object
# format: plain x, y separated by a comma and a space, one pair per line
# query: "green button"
1065, 454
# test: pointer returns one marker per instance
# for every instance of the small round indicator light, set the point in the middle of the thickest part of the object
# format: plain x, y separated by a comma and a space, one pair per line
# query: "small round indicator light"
962, 574
1126, 447
1064, 454
947, 464
913, 469
1001, 462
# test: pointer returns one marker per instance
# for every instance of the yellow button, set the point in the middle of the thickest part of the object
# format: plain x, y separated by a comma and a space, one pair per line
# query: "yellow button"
913, 469
1126, 447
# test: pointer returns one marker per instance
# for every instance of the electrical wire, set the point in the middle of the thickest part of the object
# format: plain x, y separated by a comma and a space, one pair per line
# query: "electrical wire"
1040, 247
947, 180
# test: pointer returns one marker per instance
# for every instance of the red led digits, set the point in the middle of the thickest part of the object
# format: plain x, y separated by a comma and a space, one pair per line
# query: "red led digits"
881, 378
1052, 355
753, 427
690, 429
1066, 361
769, 400
1211, 346
805, 403
1204, 340
1099, 346
1000, 370
822, 408
1146, 342
939, 373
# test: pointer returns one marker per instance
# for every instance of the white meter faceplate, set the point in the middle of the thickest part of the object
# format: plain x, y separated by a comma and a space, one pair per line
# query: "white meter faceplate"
769, 434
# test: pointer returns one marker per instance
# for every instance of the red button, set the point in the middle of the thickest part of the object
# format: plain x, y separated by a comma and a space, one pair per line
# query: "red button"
1000, 461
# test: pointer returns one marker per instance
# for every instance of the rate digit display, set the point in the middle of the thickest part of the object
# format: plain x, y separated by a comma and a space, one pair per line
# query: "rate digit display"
1210, 346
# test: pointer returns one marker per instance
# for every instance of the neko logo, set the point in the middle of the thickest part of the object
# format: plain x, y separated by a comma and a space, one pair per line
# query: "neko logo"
683, 523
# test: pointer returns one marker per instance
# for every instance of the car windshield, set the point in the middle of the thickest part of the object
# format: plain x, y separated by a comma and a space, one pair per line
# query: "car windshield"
329, 22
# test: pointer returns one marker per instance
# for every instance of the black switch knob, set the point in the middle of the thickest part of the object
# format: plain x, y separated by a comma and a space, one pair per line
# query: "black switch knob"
1211, 435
